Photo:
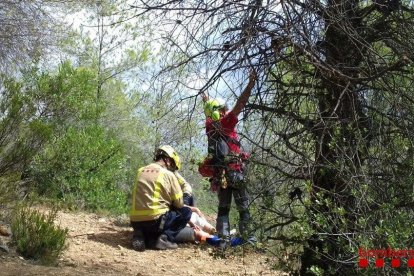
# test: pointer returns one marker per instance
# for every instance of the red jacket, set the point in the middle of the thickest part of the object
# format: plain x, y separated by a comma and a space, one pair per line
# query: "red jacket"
227, 126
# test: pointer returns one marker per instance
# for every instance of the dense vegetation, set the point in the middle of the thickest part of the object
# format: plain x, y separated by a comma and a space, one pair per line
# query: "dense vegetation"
330, 124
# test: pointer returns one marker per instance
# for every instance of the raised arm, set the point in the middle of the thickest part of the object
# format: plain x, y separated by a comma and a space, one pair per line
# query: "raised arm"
204, 97
244, 96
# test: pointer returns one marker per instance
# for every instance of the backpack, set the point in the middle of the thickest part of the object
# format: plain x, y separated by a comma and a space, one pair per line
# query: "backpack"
218, 147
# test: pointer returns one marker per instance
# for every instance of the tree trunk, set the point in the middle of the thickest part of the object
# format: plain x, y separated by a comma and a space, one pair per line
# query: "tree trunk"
337, 144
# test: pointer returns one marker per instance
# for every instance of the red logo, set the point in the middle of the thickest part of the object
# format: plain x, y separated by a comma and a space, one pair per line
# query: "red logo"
395, 263
379, 263
383, 257
410, 263
363, 263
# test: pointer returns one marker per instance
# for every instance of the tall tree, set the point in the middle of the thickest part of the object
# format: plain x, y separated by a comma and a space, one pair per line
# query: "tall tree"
109, 40
333, 109
29, 29
115, 49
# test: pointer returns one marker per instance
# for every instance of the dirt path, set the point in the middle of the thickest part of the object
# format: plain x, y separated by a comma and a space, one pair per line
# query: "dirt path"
101, 246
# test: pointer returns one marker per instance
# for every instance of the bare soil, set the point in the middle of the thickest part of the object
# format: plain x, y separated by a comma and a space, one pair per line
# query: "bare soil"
99, 245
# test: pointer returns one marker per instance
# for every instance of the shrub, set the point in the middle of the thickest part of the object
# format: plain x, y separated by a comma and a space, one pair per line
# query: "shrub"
89, 173
36, 236
7, 189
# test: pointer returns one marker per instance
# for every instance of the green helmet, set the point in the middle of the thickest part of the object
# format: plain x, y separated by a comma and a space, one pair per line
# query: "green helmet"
212, 108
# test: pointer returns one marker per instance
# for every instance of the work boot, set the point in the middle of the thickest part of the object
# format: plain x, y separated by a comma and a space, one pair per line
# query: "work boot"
138, 243
163, 243
138, 240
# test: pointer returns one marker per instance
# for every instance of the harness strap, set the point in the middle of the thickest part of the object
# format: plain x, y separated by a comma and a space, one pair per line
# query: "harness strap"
232, 140
162, 223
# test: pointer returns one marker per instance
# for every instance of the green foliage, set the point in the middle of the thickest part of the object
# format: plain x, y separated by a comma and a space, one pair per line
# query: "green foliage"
36, 236
40, 106
22, 133
89, 173
7, 189
131, 130
71, 156
66, 97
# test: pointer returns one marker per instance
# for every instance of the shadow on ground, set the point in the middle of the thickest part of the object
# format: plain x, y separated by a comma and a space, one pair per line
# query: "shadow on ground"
114, 238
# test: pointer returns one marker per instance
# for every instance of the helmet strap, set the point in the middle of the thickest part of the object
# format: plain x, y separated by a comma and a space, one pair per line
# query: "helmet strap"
169, 163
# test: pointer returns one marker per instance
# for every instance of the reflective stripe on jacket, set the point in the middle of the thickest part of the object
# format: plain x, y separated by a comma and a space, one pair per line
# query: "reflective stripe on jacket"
156, 191
185, 186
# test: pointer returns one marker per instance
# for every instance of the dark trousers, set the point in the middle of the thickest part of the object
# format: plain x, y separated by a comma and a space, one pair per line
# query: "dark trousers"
175, 221
241, 199
169, 224
189, 200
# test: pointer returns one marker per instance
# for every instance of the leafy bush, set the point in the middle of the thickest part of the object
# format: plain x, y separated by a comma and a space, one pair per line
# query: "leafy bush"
36, 236
81, 162
89, 173
7, 189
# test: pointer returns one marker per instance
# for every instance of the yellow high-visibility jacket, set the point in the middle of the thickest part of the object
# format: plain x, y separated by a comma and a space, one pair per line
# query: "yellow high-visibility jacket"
185, 186
156, 190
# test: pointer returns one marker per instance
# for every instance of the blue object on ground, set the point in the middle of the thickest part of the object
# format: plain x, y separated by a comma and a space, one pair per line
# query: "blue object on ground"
215, 240
237, 241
